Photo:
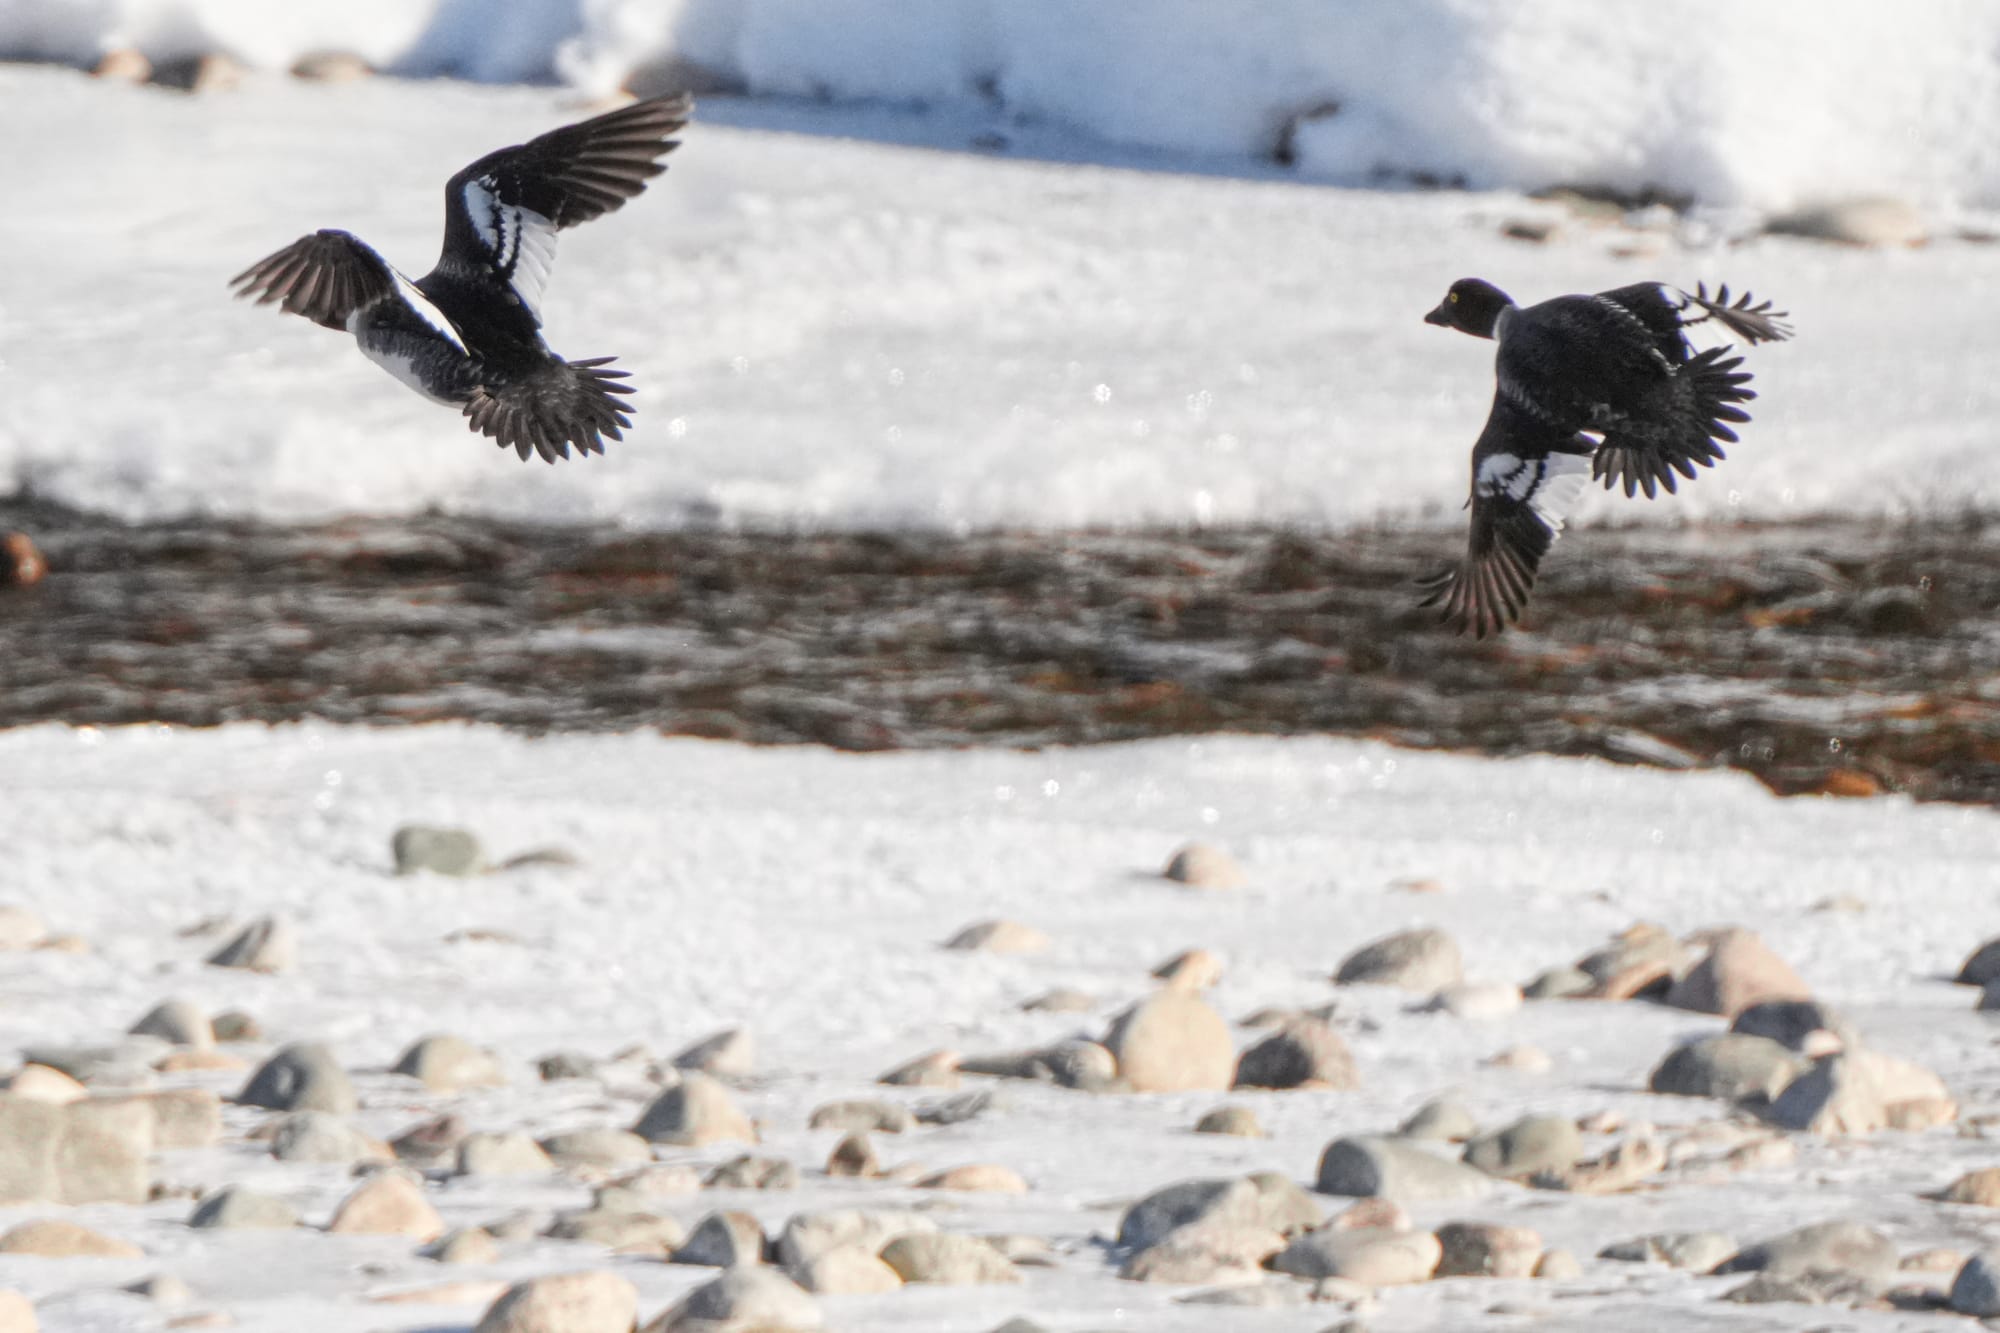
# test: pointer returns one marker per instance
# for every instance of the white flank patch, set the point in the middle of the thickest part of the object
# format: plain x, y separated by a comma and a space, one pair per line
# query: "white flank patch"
1550, 486
521, 242
403, 367
427, 312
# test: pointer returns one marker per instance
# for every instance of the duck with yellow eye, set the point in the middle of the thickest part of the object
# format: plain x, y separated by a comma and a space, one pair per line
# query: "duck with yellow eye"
1606, 386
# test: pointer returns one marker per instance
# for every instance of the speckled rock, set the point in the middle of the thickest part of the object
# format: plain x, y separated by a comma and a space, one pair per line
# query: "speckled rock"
1304, 1053
1738, 971
1728, 1065
1172, 1042
1201, 865
319, 1136
947, 1259
1363, 1165
304, 1076
444, 1063
388, 1203
591, 1302
1426, 960
59, 1238
696, 1111
1532, 1143
1375, 1258
1485, 1249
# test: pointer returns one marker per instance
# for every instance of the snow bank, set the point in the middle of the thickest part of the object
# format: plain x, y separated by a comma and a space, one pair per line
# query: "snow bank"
1774, 105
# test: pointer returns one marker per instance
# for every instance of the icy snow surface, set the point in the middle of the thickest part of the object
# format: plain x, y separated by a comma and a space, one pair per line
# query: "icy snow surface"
1773, 104
803, 893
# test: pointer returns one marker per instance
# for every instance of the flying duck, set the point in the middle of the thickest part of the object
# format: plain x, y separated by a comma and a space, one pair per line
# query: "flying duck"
1605, 386
468, 333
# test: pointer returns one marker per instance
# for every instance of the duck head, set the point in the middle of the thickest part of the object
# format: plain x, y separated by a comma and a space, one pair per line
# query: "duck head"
1472, 306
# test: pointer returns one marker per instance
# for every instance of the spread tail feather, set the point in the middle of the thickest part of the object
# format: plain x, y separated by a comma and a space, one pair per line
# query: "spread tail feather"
1692, 437
562, 403
1752, 323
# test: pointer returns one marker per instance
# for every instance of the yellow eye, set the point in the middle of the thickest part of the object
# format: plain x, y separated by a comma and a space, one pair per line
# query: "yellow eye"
1453, 296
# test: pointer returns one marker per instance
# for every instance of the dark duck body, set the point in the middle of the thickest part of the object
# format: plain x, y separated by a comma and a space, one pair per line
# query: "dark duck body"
1606, 386
468, 333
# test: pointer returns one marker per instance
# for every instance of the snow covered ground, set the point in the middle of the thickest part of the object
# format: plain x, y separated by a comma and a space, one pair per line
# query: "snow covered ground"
859, 332
804, 893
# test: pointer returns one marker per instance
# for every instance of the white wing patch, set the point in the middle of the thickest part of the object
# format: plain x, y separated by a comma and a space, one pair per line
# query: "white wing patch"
427, 312
1550, 485
521, 242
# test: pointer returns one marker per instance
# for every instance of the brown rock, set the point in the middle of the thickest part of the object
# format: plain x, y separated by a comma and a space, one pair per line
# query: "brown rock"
1738, 971
1192, 970
1643, 959
697, 1111
387, 1204
54, 1238
564, 1303
1200, 865
1483, 1249
1172, 1042
1980, 1188
978, 1177
123, 65
1371, 1214
854, 1156
937, 1069
1305, 1053
1240, 1121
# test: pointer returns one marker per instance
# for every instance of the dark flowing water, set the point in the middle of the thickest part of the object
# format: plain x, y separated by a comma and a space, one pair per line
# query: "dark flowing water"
1821, 657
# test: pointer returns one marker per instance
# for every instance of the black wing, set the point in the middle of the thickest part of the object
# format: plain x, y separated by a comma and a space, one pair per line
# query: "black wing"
326, 277
503, 211
1679, 428
560, 404
1526, 473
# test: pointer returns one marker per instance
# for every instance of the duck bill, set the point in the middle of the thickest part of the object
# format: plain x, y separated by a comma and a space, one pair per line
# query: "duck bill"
1440, 317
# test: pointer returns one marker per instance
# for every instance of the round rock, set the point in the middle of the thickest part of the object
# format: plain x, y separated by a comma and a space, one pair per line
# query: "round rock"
1303, 1053
268, 944
181, 1022
1373, 1258
234, 1206
947, 1259
1425, 960
1729, 1065
696, 1111
564, 1303
724, 1240
441, 851
1738, 971
1976, 1289
510, 1153
743, 1298
1172, 1042
1532, 1143
1364, 1165
728, 1055
1444, 1119
319, 1136
387, 1204
1239, 1121
56, 1238
444, 1063
1484, 1249
301, 1077
1201, 865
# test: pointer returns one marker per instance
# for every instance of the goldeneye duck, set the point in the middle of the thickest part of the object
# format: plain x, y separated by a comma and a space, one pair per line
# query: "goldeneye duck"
1606, 386
468, 333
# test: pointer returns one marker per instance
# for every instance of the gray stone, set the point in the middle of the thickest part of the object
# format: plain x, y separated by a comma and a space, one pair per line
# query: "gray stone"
751, 1298
724, 1240
318, 1136
444, 1063
1976, 1289
1729, 1065
695, 1112
622, 1231
564, 1303
267, 944
235, 1207
1981, 966
1216, 1204
1172, 1042
1304, 1053
864, 1117
947, 1259
1486, 1249
442, 851
1854, 1092
181, 1022
1816, 1286
1364, 1165
1837, 1246
1790, 1023
509, 1153
1444, 1119
1532, 1143
301, 1077
1696, 1251
1374, 1257
728, 1055
1424, 960
235, 1025
598, 1146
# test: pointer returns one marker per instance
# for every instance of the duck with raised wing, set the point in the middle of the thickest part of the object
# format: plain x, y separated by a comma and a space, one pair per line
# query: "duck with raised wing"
468, 333
1606, 385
